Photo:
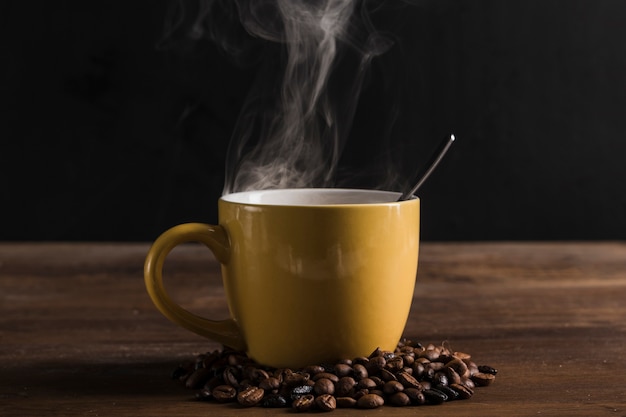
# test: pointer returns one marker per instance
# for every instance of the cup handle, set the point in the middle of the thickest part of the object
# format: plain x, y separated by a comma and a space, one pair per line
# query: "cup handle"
216, 239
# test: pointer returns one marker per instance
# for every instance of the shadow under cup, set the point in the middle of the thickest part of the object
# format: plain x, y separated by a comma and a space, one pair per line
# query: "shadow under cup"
311, 275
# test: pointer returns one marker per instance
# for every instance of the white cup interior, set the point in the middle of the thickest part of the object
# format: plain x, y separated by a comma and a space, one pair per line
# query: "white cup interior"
312, 197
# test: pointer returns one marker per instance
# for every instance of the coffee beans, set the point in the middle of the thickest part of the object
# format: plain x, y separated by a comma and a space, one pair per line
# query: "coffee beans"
412, 375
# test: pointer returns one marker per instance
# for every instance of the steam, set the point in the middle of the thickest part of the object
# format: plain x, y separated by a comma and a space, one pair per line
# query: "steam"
293, 126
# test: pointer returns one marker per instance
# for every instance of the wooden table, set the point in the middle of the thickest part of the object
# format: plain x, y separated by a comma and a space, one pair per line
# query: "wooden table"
79, 335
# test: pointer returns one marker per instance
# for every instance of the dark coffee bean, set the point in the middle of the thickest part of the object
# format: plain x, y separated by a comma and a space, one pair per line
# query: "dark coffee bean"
255, 374
345, 402
468, 383
324, 386
408, 359
198, 378
345, 387
418, 369
416, 396
399, 399
453, 376
231, 376
250, 396
487, 370
314, 369
342, 369
460, 367
224, 393
375, 365
463, 391
326, 375
269, 384
325, 402
359, 371
483, 380
366, 383
440, 378
303, 403
394, 364
430, 354
301, 390
274, 401
387, 375
370, 401
392, 387
408, 381
434, 396
450, 393
293, 379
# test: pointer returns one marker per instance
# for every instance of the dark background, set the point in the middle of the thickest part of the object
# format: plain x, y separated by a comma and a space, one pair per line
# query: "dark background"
111, 130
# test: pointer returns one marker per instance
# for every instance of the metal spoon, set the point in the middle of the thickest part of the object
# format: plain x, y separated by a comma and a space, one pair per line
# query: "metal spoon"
430, 167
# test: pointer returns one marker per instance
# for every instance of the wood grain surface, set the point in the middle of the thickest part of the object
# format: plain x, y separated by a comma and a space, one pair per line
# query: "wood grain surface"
80, 337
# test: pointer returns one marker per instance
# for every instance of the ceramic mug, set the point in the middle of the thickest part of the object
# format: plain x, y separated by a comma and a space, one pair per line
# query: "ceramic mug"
311, 275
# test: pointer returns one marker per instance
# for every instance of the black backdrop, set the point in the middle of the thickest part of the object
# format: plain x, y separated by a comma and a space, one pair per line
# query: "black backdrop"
109, 131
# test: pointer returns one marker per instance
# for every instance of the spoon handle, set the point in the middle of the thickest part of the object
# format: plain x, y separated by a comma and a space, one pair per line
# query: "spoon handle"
429, 168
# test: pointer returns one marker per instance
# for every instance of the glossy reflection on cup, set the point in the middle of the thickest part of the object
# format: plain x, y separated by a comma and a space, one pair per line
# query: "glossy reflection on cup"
311, 275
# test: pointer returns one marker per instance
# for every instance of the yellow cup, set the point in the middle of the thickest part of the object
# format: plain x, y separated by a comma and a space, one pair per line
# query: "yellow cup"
311, 275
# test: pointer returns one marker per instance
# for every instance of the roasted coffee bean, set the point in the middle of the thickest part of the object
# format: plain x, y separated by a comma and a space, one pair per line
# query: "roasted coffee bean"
487, 370
270, 384
345, 402
326, 375
409, 375
274, 401
460, 367
416, 396
224, 393
299, 391
434, 396
418, 369
375, 365
408, 359
255, 374
463, 391
250, 396
430, 354
366, 383
295, 378
392, 387
408, 380
483, 380
325, 402
231, 376
324, 386
345, 386
198, 378
370, 401
342, 369
399, 399
387, 375
450, 393
453, 376
440, 378
303, 403
314, 369
359, 371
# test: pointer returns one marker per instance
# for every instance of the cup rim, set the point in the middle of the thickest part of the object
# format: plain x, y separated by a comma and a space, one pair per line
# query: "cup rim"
315, 197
